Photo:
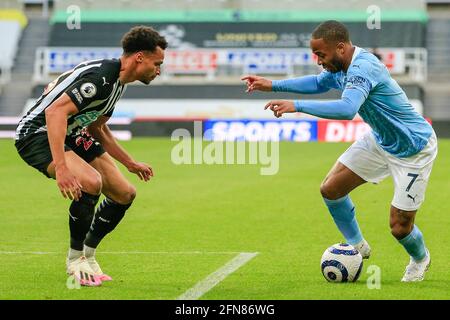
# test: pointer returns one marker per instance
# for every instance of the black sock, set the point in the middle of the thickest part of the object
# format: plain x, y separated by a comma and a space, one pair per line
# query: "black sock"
107, 217
81, 213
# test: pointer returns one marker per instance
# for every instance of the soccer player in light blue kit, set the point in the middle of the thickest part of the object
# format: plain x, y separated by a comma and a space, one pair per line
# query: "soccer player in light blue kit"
401, 143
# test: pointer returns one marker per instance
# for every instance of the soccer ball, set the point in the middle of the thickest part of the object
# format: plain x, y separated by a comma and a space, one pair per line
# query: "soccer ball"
341, 263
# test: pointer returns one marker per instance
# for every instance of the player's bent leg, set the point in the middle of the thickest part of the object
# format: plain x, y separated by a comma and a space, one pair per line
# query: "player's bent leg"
411, 238
81, 214
339, 182
411, 177
334, 189
119, 197
89, 178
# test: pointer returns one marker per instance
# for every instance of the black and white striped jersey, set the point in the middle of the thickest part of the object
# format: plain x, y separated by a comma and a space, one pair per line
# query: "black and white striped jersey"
94, 88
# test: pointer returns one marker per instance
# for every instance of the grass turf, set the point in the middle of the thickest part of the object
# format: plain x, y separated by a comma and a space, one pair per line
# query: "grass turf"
191, 218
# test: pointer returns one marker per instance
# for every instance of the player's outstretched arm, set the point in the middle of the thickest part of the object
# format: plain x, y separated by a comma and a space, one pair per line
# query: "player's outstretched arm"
344, 109
100, 131
306, 84
56, 119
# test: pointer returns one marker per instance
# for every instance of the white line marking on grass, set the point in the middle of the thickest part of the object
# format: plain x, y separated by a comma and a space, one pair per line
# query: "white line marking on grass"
168, 252
216, 277
28, 252
124, 252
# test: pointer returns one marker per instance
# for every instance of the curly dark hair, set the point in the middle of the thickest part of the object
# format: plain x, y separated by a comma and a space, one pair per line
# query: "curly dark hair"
331, 31
142, 38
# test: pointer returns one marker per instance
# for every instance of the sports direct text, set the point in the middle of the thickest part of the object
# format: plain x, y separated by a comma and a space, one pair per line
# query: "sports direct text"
193, 150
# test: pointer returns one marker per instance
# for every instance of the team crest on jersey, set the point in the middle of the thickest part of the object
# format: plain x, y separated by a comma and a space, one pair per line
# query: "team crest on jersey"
88, 89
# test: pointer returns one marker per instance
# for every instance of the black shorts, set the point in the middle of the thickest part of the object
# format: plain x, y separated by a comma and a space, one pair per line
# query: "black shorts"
35, 150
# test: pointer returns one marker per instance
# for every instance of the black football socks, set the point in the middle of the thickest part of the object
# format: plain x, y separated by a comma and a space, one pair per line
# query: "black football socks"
81, 213
107, 217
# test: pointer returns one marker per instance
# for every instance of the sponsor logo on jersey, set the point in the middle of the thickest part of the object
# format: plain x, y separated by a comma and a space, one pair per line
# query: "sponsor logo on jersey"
88, 89
87, 118
357, 81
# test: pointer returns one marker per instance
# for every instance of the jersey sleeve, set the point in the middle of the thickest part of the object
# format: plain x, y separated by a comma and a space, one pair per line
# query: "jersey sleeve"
344, 109
88, 90
305, 84
109, 113
360, 77
327, 80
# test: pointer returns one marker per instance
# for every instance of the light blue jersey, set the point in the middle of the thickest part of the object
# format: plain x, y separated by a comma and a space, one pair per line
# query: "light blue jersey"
369, 90
398, 128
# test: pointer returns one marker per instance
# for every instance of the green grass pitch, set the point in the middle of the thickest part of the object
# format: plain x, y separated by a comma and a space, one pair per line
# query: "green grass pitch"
190, 220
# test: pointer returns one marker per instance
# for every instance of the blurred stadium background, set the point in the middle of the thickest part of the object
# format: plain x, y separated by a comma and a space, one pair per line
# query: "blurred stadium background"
212, 44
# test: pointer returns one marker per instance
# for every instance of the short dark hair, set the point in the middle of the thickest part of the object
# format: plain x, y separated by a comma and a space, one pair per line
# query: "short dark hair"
331, 31
142, 38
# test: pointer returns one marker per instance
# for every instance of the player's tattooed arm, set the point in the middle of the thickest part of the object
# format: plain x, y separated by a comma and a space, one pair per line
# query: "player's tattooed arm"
101, 132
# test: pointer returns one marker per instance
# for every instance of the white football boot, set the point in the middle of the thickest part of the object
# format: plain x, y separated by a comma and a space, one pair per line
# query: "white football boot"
82, 271
415, 270
363, 248
97, 270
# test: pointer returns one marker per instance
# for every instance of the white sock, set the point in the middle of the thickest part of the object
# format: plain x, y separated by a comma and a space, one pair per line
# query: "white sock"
88, 251
74, 254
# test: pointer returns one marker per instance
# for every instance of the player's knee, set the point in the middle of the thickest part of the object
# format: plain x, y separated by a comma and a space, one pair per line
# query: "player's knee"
127, 196
93, 184
328, 192
131, 193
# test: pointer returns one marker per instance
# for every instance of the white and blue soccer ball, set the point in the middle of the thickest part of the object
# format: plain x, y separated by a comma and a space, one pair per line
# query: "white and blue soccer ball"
341, 263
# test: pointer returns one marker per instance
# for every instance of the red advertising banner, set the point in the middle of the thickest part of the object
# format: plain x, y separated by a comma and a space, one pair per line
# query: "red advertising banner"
190, 61
341, 131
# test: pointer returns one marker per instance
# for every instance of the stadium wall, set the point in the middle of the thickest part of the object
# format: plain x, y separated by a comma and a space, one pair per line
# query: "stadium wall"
396, 34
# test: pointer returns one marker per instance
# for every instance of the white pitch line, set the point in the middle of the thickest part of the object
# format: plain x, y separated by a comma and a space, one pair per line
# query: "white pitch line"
28, 252
216, 277
168, 252
123, 252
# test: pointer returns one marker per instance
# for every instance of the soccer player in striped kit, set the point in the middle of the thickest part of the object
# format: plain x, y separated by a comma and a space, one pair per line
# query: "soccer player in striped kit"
65, 136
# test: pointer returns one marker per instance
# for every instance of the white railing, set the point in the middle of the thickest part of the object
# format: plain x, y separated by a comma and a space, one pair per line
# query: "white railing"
211, 64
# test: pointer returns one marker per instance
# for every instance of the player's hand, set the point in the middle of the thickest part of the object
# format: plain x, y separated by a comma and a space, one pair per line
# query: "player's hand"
142, 170
280, 106
68, 184
257, 83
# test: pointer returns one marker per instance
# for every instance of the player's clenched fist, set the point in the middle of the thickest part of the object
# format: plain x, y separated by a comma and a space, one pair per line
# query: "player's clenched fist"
280, 106
257, 83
